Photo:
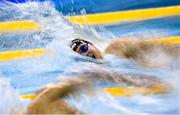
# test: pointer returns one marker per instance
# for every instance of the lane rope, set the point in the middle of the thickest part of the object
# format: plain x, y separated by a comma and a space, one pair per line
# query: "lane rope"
19, 26
124, 16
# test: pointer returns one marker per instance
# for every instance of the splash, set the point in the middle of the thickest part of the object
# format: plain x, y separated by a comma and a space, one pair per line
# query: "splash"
10, 102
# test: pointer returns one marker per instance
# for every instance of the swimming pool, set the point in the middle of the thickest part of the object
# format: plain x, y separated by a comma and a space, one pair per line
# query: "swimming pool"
28, 75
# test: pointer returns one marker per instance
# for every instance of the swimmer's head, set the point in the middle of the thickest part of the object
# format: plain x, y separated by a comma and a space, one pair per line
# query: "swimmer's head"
85, 48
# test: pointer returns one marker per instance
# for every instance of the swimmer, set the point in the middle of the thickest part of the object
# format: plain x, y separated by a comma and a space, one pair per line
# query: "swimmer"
51, 99
139, 50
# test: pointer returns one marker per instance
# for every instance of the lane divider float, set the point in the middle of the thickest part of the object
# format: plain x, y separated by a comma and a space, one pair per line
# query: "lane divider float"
19, 26
166, 41
21, 54
125, 16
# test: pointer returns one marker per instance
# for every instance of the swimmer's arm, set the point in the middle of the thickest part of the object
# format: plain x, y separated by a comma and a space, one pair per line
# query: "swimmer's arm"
50, 99
129, 48
132, 79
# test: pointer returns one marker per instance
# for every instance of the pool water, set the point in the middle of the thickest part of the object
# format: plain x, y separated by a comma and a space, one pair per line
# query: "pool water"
28, 75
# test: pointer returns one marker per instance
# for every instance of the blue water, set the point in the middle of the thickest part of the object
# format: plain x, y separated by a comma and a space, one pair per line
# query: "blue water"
23, 1
166, 26
28, 75
69, 7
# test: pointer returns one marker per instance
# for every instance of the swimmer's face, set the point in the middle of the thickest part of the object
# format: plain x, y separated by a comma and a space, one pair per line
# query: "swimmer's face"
86, 48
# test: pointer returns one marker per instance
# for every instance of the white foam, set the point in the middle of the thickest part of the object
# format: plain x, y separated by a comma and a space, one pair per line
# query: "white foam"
9, 100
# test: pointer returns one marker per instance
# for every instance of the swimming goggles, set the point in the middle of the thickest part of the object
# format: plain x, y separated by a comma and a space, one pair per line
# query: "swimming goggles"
84, 48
